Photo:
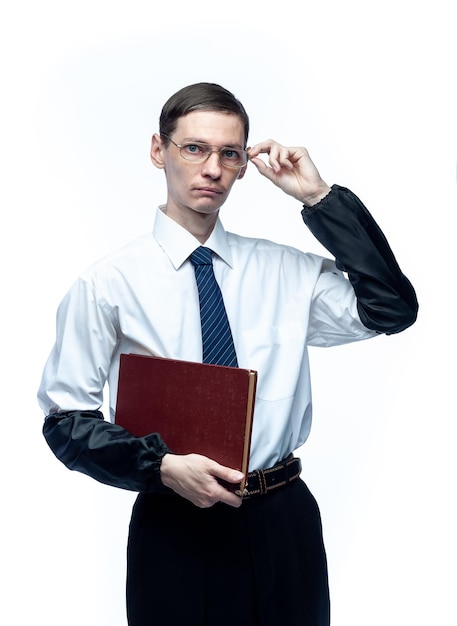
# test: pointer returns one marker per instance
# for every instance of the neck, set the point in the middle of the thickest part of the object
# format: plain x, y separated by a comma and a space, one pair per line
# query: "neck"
200, 225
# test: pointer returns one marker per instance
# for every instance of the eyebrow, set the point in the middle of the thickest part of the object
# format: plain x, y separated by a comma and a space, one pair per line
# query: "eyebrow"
206, 143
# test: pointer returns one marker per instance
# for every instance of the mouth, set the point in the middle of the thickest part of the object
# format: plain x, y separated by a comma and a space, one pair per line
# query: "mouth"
209, 191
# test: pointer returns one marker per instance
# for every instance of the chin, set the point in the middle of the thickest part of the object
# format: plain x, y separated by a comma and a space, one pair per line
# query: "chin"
207, 210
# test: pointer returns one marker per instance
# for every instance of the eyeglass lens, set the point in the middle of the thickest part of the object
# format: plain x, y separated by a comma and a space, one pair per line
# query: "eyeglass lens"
199, 152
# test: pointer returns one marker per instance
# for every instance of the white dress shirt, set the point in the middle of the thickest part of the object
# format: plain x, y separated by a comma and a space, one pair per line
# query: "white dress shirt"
143, 299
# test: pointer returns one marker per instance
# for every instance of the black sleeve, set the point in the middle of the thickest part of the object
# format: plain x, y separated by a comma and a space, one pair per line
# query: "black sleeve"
386, 300
85, 442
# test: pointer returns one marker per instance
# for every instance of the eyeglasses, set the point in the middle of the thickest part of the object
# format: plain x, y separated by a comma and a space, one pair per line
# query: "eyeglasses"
200, 152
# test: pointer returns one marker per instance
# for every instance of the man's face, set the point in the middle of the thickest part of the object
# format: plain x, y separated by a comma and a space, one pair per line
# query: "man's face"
200, 188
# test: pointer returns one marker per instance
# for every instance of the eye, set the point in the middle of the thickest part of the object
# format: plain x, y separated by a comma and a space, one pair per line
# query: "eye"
230, 154
193, 148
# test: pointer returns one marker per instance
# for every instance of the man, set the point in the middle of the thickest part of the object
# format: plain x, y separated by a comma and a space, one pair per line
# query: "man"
198, 553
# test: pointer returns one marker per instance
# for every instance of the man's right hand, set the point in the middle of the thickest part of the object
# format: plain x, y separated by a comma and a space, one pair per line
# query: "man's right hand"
195, 477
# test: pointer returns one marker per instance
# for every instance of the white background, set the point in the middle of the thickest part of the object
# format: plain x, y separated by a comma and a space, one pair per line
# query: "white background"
370, 89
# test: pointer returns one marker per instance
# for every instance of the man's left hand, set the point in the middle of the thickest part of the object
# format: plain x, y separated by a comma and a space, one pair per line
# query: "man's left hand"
291, 169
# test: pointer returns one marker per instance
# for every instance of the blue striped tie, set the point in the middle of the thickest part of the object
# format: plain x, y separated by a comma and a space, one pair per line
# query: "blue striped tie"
217, 338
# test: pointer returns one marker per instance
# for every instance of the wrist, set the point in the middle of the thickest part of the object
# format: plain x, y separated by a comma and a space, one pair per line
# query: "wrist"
164, 469
314, 198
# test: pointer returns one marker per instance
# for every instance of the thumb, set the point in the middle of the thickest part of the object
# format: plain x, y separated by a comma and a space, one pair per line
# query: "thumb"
226, 473
263, 168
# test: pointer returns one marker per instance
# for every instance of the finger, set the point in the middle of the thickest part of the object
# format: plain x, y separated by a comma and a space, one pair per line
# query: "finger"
274, 158
282, 157
263, 168
213, 494
269, 147
225, 493
213, 491
231, 499
229, 476
275, 153
279, 157
263, 147
226, 473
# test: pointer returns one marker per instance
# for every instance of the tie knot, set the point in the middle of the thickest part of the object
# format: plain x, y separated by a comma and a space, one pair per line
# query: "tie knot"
201, 256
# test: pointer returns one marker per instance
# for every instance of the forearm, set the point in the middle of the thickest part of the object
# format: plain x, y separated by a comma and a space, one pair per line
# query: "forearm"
85, 442
386, 300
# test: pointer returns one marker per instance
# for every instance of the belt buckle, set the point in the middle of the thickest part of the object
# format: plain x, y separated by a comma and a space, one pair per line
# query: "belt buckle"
245, 493
261, 476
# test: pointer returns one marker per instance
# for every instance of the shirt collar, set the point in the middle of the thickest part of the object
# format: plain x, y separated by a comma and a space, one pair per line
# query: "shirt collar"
178, 243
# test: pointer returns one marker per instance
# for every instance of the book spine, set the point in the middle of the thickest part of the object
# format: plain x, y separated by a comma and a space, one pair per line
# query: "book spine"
249, 417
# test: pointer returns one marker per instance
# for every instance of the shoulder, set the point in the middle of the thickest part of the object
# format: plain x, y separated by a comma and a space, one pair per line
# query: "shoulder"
240, 242
126, 258
271, 252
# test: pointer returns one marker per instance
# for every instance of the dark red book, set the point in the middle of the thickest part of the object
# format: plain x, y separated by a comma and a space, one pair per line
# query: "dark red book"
195, 407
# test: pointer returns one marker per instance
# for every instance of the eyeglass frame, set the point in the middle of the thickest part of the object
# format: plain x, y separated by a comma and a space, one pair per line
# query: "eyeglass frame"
208, 152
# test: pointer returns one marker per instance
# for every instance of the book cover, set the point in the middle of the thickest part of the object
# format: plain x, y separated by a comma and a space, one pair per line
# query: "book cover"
195, 407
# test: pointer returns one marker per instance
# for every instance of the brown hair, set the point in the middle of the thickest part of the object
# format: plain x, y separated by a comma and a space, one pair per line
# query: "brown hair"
200, 97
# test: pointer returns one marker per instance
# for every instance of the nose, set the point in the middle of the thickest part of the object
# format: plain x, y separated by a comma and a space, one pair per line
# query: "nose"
212, 166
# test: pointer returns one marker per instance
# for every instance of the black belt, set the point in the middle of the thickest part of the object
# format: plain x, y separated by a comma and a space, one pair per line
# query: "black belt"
261, 482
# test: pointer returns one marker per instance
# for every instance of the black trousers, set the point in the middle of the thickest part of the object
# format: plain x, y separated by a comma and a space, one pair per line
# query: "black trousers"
263, 564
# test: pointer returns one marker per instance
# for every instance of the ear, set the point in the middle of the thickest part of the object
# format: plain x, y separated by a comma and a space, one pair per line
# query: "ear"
157, 151
242, 172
